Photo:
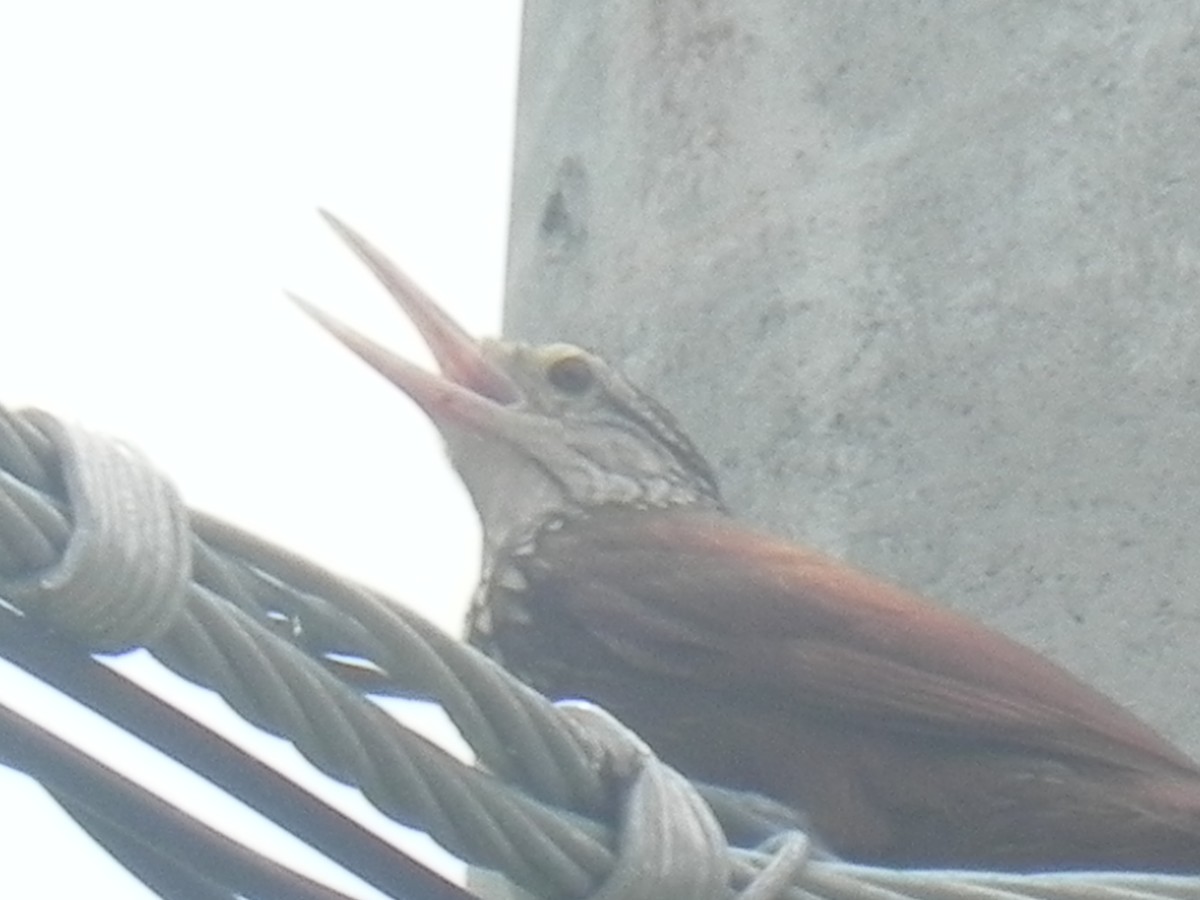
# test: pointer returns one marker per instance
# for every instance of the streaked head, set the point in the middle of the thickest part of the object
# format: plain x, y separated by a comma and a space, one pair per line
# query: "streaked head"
534, 431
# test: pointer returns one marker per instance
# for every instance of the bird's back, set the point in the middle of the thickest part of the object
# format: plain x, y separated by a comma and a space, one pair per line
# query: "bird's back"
909, 734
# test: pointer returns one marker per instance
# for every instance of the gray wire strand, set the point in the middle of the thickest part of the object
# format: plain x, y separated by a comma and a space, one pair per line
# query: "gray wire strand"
564, 805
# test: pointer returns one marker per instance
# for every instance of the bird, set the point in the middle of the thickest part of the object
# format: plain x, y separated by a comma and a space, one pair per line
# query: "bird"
908, 734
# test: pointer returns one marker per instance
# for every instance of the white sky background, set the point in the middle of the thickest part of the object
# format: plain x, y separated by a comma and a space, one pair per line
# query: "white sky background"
159, 168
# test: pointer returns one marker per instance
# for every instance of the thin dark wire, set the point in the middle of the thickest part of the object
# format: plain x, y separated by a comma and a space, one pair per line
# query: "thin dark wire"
59, 663
128, 817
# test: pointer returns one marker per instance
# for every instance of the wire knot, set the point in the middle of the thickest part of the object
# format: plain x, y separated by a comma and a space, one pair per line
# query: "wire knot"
669, 843
123, 566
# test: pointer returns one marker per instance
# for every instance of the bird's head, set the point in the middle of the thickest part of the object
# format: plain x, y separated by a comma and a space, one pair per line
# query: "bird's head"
534, 431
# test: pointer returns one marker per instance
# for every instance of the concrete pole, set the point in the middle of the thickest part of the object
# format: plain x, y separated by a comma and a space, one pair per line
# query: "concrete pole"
922, 279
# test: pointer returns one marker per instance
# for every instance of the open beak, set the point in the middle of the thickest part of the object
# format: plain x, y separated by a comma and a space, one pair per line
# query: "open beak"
471, 390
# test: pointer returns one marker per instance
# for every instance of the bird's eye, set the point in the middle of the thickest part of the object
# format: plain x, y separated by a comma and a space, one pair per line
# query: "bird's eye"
571, 374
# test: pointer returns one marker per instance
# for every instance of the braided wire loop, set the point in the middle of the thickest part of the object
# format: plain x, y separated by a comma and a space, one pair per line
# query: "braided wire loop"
115, 577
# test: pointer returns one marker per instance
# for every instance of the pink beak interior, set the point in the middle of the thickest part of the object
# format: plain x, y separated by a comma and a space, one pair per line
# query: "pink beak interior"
471, 389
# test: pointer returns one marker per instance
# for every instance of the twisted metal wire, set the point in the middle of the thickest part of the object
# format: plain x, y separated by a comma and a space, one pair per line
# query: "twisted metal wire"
564, 803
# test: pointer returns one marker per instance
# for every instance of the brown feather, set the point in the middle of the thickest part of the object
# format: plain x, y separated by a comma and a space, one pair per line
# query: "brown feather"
752, 661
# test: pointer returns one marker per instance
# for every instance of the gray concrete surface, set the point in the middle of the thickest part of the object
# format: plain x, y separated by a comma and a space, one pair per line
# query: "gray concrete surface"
923, 279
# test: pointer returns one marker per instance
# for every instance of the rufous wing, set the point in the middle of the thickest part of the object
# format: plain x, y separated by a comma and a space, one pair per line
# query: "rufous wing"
706, 600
